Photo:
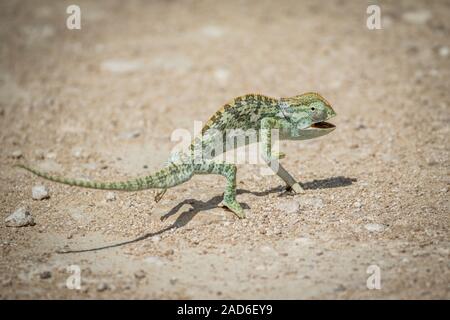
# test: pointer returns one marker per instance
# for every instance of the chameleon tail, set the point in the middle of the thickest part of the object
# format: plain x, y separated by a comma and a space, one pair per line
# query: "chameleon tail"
147, 182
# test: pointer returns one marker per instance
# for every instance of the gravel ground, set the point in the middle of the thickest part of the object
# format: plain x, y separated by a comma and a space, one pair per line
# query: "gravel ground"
103, 101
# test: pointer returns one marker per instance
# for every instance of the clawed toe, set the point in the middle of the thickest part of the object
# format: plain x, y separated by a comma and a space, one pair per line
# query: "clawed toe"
295, 188
236, 208
159, 195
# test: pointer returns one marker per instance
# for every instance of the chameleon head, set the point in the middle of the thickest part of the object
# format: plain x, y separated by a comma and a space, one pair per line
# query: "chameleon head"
308, 111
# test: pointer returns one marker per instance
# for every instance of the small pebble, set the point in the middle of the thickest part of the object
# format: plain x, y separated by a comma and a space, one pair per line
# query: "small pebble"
212, 31
289, 206
169, 252
277, 232
7, 282
40, 192
120, 65
45, 275
443, 51
110, 196
130, 135
417, 17
154, 260
302, 241
90, 166
17, 154
51, 155
260, 268
140, 274
39, 154
102, 287
317, 203
222, 76
20, 218
357, 204
340, 288
374, 227
77, 152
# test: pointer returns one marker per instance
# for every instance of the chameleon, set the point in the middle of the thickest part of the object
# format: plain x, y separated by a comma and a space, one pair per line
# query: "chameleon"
298, 117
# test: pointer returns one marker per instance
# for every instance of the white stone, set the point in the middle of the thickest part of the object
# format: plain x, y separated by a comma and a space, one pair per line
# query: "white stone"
90, 166
79, 216
290, 206
39, 192
303, 241
20, 218
130, 134
110, 196
17, 154
103, 286
154, 260
374, 227
120, 65
417, 17
172, 62
222, 75
267, 249
77, 152
51, 155
212, 31
156, 238
313, 202
139, 274
443, 51
261, 268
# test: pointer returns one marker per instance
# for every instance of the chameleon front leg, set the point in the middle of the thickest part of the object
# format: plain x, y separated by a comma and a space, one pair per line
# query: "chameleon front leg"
267, 124
290, 181
227, 170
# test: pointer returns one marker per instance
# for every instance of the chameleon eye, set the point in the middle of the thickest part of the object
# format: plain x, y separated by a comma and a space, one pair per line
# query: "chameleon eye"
312, 108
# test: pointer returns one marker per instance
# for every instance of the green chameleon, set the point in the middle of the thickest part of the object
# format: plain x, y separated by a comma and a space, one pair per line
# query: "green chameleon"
296, 118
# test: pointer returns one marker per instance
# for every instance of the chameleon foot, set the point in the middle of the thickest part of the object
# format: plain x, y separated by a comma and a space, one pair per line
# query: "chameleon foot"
278, 155
235, 207
296, 188
159, 195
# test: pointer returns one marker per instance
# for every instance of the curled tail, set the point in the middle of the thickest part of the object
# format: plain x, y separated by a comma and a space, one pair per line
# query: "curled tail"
162, 179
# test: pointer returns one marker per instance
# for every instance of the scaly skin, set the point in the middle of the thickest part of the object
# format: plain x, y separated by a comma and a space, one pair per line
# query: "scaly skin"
297, 118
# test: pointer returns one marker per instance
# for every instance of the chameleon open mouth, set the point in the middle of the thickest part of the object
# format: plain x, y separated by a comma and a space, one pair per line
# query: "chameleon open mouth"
323, 125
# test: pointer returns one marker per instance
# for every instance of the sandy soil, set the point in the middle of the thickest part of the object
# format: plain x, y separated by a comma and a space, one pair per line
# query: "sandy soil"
103, 101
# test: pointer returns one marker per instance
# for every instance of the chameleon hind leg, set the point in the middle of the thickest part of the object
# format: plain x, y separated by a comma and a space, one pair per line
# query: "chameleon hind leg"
229, 172
175, 158
160, 195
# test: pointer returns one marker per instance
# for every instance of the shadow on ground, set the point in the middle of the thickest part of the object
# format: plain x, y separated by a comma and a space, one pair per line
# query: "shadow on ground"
199, 206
